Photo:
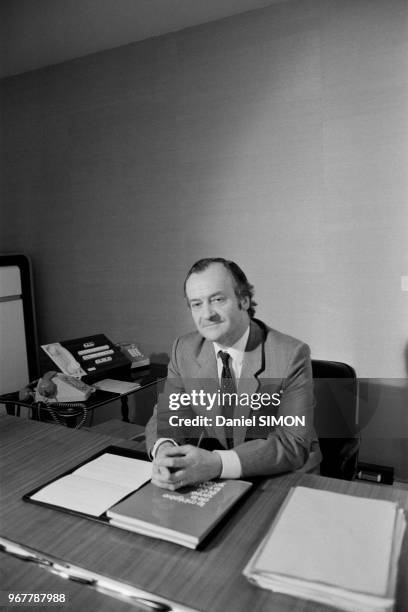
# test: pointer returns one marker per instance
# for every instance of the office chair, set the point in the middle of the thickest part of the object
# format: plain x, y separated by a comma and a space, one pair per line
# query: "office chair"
336, 425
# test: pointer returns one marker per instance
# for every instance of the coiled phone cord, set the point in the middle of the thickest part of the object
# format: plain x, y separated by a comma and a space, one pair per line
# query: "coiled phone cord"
54, 408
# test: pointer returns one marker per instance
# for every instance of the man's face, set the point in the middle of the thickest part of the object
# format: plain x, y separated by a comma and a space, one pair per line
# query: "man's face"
219, 315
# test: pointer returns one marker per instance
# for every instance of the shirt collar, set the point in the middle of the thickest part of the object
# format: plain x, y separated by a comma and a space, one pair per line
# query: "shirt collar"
237, 349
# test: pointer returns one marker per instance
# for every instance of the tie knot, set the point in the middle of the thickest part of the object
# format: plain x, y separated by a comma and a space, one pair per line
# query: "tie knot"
224, 357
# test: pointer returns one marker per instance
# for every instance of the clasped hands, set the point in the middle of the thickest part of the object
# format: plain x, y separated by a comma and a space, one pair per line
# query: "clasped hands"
179, 466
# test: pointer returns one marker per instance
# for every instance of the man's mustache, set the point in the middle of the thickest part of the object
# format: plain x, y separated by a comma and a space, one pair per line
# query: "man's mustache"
210, 322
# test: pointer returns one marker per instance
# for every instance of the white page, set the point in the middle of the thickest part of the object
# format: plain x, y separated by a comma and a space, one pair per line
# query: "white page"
116, 386
97, 485
81, 494
332, 538
124, 471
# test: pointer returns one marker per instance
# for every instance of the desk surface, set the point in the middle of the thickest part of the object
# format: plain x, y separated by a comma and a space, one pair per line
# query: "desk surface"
211, 579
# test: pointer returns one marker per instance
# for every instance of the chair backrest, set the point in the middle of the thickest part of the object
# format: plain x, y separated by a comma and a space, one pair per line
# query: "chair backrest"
336, 393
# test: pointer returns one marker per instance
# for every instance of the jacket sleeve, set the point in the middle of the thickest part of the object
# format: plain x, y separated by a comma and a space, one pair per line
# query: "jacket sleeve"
286, 446
159, 424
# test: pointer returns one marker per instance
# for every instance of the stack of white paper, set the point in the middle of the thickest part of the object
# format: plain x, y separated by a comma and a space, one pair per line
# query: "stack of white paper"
332, 548
116, 386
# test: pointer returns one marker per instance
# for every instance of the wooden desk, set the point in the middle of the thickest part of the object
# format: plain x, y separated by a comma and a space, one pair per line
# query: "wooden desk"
210, 579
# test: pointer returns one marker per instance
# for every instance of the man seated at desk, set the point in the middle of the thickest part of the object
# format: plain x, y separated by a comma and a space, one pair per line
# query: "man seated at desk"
232, 357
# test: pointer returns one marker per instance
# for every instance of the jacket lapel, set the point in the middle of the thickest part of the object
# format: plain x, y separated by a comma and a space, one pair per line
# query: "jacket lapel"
253, 365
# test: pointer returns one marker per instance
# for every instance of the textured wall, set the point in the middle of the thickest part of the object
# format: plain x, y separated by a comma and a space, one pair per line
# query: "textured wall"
277, 138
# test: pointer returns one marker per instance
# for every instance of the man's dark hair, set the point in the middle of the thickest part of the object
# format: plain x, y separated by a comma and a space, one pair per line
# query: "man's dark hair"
242, 287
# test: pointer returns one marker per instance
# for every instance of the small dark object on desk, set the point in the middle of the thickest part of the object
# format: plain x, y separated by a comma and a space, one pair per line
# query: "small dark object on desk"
372, 472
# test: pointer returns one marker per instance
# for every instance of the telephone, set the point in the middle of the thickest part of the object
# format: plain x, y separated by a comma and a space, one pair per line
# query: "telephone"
135, 356
55, 387
90, 356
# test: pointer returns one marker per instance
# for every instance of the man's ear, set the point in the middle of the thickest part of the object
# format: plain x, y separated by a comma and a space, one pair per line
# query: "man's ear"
244, 303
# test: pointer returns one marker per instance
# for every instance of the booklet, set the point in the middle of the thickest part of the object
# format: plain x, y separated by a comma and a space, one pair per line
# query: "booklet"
184, 516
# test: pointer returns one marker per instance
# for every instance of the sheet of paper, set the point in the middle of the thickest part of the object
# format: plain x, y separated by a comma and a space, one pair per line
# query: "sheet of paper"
114, 469
116, 386
348, 541
81, 494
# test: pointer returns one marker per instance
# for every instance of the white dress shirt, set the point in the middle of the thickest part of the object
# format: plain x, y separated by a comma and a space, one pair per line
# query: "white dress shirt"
236, 353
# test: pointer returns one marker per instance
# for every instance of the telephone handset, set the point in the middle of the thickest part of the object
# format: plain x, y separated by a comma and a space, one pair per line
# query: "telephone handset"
55, 387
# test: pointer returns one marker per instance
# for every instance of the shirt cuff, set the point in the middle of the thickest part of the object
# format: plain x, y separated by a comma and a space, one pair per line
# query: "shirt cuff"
158, 443
231, 465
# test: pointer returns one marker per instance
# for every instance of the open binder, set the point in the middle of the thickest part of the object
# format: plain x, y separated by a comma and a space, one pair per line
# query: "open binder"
113, 487
48, 494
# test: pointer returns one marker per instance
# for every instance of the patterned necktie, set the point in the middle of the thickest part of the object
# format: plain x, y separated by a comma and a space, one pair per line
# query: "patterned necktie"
227, 386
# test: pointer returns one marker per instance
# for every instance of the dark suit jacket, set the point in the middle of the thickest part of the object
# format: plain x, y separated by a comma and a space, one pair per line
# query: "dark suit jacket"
273, 362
